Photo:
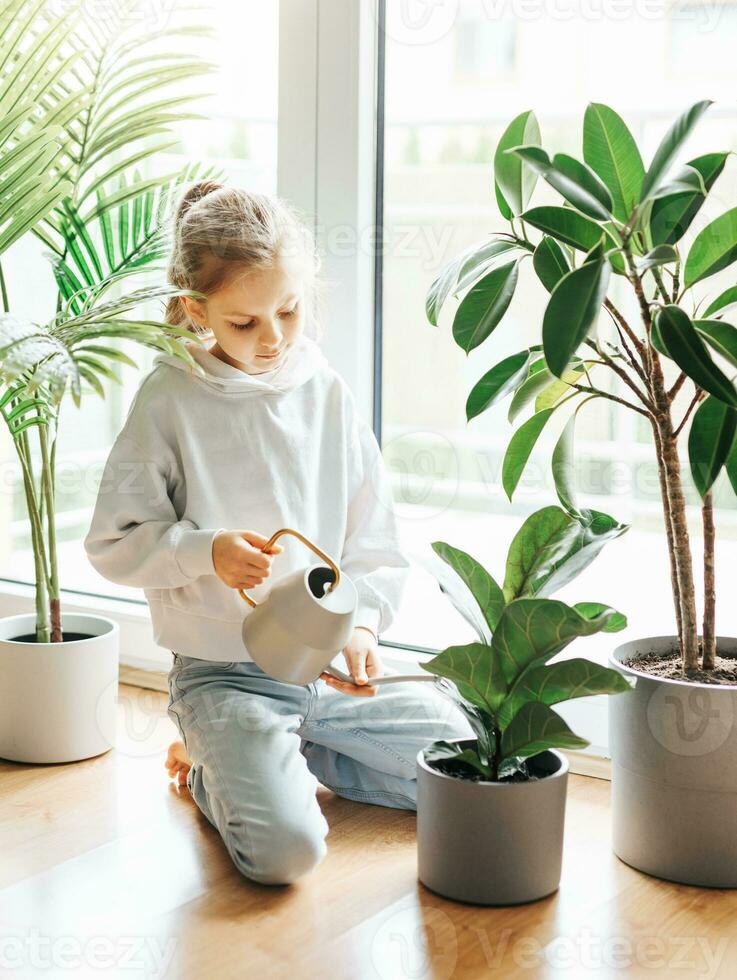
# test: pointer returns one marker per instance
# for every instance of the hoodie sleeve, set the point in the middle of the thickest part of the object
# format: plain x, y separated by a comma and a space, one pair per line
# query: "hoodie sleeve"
134, 537
373, 556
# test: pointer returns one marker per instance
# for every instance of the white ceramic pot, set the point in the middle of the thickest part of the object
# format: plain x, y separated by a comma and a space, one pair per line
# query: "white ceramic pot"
58, 700
673, 745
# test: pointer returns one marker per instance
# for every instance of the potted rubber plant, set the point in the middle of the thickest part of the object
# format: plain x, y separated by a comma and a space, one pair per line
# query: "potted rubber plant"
491, 809
82, 103
669, 357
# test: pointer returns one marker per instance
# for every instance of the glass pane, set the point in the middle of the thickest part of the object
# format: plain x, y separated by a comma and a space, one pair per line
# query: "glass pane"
237, 134
456, 75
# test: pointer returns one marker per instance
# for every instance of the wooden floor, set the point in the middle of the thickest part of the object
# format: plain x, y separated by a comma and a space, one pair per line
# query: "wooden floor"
108, 869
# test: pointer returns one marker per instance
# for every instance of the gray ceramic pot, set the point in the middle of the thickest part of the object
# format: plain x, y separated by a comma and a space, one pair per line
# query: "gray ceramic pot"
674, 772
491, 843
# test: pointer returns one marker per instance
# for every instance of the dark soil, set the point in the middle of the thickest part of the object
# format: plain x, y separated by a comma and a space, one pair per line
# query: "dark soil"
670, 667
462, 770
67, 637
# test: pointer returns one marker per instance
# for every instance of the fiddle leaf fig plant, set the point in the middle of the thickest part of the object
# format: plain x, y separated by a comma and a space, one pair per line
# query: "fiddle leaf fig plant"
617, 237
504, 682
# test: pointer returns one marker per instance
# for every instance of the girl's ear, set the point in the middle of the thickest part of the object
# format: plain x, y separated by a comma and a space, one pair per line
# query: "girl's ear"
195, 308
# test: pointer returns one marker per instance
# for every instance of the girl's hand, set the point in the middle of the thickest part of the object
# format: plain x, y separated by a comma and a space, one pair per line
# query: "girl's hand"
238, 559
362, 657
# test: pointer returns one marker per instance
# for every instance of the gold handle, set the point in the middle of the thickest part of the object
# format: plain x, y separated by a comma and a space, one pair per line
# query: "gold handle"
310, 544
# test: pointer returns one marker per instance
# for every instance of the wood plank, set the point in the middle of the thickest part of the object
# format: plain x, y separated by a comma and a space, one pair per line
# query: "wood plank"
107, 858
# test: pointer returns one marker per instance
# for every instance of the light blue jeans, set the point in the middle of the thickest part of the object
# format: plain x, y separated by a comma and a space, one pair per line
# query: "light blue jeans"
259, 747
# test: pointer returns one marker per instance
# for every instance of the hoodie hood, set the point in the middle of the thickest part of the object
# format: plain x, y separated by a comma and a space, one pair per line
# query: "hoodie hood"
303, 360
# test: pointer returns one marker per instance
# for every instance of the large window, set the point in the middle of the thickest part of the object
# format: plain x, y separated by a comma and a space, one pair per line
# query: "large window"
455, 77
236, 134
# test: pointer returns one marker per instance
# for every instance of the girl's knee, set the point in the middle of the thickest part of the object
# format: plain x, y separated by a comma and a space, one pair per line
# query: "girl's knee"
284, 854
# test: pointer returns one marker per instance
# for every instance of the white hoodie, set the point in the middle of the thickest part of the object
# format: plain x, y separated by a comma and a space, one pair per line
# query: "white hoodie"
228, 450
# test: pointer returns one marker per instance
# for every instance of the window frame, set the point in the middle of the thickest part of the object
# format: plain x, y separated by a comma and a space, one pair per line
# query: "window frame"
330, 164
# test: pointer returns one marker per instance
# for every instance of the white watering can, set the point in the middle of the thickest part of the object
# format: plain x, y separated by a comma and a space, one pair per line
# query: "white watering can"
305, 620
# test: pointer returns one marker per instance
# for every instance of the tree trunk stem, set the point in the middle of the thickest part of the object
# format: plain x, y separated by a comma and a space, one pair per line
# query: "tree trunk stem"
710, 597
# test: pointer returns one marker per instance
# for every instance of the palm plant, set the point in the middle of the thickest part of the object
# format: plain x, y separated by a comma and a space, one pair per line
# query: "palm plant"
82, 105
503, 681
618, 223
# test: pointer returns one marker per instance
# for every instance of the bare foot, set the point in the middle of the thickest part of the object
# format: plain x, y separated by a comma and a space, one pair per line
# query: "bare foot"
178, 762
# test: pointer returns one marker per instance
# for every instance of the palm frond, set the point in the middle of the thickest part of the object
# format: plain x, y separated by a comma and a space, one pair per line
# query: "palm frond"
128, 101
35, 53
109, 244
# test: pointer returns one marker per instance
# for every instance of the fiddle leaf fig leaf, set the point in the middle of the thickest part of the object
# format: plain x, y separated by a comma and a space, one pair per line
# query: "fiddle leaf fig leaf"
537, 727
552, 548
475, 670
479, 582
562, 681
530, 631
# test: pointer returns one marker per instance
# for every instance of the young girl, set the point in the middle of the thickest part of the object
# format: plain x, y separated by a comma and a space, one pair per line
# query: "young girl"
208, 465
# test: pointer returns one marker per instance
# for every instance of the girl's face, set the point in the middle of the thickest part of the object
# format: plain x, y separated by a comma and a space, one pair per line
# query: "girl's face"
255, 318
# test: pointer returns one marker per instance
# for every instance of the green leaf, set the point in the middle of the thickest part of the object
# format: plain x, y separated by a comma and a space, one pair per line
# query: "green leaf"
688, 180
532, 630
441, 750
565, 225
549, 262
611, 151
562, 681
460, 271
504, 208
476, 672
538, 379
660, 255
558, 388
497, 383
572, 312
710, 441
483, 306
576, 182
535, 728
720, 336
671, 216
479, 582
713, 249
515, 181
591, 610
731, 465
687, 349
669, 147
479, 260
110, 352
519, 448
724, 301
552, 548
563, 466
